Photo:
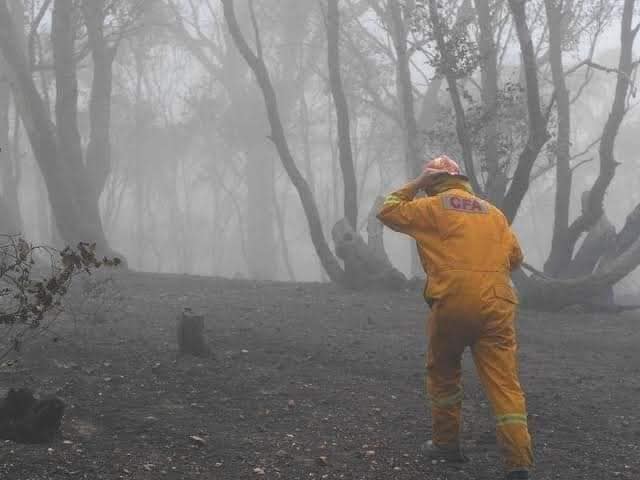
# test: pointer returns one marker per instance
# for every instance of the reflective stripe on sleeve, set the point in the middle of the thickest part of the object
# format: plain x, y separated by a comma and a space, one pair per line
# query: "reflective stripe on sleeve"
392, 200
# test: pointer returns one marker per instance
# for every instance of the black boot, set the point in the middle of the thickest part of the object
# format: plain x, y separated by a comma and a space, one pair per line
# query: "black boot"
518, 475
451, 454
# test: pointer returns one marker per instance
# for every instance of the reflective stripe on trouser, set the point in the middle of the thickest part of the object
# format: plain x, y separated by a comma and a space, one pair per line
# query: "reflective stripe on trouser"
444, 375
494, 349
496, 362
446, 416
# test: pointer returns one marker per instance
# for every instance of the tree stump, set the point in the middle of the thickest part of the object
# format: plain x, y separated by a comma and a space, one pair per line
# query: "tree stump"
367, 268
191, 339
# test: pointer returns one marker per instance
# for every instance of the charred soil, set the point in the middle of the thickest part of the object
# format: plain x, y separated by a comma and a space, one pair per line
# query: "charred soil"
309, 381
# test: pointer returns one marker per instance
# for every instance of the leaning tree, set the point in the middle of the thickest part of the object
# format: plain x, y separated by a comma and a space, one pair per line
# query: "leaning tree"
459, 39
571, 275
361, 263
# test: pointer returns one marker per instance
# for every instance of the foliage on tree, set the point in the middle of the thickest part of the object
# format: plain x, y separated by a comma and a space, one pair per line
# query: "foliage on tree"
27, 293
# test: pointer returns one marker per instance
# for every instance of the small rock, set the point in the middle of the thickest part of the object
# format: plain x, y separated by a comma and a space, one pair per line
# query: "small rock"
323, 461
218, 464
370, 453
201, 442
258, 471
291, 403
281, 453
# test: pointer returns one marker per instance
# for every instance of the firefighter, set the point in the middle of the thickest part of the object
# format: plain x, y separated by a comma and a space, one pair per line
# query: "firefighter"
468, 251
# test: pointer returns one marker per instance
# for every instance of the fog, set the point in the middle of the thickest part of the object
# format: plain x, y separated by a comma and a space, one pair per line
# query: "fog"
206, 262
178, 149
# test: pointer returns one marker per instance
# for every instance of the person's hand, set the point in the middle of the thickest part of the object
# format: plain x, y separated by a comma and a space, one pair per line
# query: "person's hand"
425, 180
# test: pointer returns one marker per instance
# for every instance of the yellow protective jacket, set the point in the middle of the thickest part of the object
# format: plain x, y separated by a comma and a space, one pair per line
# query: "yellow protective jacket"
465, 243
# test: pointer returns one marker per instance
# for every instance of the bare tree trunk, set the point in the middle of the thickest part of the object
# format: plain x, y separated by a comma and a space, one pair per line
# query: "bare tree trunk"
256, 62
10, 218
625, 239
305, 128
496, 179
63, 35
284, 245
600, 240
98, 156
405, 90
139, 180
560, 255
556, 294
603, 260
370, 268
342, 114
73, 201
538, 134
608, 164
66, 113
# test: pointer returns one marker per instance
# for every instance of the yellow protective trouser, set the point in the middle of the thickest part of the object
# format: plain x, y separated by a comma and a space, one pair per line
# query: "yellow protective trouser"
487, 326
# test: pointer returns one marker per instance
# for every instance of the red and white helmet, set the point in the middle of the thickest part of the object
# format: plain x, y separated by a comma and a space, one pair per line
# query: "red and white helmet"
443, 164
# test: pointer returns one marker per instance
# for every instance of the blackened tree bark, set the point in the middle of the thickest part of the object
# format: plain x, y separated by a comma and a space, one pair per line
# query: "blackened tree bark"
10, 218
496, 178
363, 267
398, 18
98, 154
593, 289
256, 63
222, 62
63, 38
538, 134
57, 151
342, 114
560, 254
405, 88
608, 163
63, 35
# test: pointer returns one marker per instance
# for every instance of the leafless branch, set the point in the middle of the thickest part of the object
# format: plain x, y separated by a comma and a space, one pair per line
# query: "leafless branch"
256, 30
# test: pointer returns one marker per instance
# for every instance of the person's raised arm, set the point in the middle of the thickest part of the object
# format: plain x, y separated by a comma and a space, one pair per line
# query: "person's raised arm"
404, 213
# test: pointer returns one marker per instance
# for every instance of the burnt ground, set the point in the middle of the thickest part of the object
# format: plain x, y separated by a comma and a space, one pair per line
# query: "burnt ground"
308, 382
